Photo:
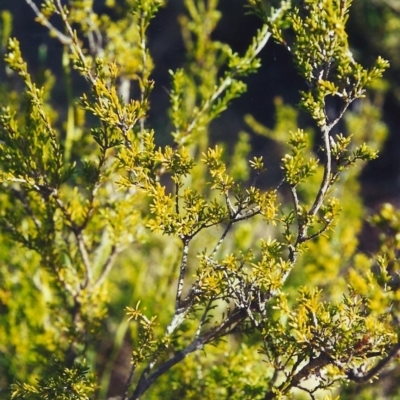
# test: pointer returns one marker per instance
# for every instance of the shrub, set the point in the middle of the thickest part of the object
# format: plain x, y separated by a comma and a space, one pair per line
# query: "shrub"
216, 285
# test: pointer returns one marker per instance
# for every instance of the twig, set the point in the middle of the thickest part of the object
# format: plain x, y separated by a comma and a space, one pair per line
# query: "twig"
143, 72
229, 205
85, 259
309, 391
77, 231
203, 319
95, 38
107, 266
327, 172
177, 210
295, 200
128, 382
97, 180
182, 270
300, 224
316, 234
73, 43
222, 238
235, 216
64, 39
25, 203
326, 181
265, 35
341, 113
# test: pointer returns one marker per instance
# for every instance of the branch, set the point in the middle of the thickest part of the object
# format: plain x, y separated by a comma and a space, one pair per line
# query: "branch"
362, 377
176, 321
198, 343
145, 382
312, 366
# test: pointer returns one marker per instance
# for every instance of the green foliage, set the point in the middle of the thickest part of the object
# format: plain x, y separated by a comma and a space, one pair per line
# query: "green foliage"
60, 383
240, 291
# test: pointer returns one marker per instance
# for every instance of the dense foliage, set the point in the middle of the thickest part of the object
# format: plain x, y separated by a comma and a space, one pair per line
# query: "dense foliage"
179, 257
